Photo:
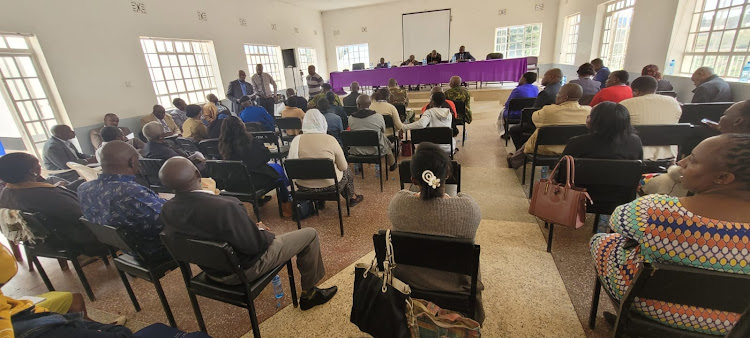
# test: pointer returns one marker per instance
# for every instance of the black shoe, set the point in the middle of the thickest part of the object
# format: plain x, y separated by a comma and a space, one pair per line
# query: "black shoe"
354, 201
318, 297
505, 137
320, 205
610, 318
393, 167
263, 200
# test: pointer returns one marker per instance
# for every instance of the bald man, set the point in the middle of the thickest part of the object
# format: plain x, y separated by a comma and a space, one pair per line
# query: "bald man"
237, 89
709, 87
565, 111
736, 119
59, 150
159, 114
117, 200
552, 81
351, 99
199, 214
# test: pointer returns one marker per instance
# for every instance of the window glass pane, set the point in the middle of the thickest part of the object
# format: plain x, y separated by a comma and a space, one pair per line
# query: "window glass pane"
743, 40
26, 66
35, 88
726, 41
735, 66
734, 17
45, 110
706, 20
16, 42
714, 42
700, 42
721, 64
687, 62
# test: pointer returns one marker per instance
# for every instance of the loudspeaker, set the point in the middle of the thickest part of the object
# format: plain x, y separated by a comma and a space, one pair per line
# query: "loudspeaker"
289, 59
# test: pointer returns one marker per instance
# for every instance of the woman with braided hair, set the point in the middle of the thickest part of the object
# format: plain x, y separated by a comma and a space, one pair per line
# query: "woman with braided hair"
709, 230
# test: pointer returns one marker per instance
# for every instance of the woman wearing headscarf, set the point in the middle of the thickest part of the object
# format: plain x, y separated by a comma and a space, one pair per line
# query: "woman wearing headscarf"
315, 143
663, 85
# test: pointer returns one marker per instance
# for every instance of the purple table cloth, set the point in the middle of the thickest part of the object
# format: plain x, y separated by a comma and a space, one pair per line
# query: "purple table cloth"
487, 70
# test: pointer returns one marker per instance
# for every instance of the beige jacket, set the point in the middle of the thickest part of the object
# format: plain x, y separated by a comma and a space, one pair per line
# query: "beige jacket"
321, 146
565, 114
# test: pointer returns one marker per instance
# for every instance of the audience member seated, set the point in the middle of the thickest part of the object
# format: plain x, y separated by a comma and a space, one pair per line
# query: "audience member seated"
381, 64
616, 90
610, 137
736, 119
58, 151
449, 103
602, 72
525, 89
382, 107
315, 143
213, 108
433, 58
398, 95
322, 95
235, 144
653, 70
459, 93
338, 110
117, 200
293, 111
590, 87
23, 318
463, 55
111, 120
26, 190
552, 81
157, 147
109, 134
292, 100
435, 117
335, 126
433, 212
214, 127
709, 87
179, 115
566, 111
410, 62
367, 119
158, 114
199, 214
646, 107
256, 114
717, 173
194, 128
351, 99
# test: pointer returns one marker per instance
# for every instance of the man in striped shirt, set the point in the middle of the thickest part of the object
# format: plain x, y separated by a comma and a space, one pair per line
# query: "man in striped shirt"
313, 82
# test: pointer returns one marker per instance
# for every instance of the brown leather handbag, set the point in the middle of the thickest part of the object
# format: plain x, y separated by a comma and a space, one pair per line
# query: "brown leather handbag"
557, 203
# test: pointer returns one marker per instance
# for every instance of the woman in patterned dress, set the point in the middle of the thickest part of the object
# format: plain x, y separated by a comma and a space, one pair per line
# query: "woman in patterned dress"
710, 230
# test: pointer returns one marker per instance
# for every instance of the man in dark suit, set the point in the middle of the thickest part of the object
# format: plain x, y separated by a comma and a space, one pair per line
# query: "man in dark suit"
58, 151
198, 214
292, 100
709, 87
552, 81
433, 58
463, 55
237, 89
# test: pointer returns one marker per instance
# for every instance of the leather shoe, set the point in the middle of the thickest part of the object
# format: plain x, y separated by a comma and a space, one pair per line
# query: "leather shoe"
356, 200
393, 167
318, 297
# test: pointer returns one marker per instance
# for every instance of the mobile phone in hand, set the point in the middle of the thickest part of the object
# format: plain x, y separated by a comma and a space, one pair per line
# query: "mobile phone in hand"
709, 122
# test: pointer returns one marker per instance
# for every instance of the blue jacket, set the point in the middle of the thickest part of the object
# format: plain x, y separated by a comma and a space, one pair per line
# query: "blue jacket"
259, 115
525, 90
602, 76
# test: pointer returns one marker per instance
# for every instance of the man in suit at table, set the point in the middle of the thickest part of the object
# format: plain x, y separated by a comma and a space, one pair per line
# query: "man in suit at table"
58, 151
237, 89
463, 55
433, 58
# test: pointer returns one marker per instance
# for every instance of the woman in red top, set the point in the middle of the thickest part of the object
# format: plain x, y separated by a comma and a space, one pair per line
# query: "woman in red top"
617, 89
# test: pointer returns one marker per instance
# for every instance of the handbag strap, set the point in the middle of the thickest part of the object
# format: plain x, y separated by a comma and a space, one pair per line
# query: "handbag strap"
388, 263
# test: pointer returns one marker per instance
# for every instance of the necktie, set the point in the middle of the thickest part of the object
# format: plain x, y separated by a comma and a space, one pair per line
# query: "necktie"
164, 126
244, 88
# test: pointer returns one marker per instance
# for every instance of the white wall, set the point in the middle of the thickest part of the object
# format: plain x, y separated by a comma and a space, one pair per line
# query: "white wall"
473, 25
92, 47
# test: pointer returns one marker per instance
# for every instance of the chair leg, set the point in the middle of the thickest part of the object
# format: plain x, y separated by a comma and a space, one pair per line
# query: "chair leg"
531, 181
596, 223
523, 175
549, 238
595, 303
381, 176
164, 303
42, 273
256, 209
298, 211
197, 311
362, 170
129, 290
347, 198
253, 319
292, 286
463, 137
278, 200
505, 127
82, 277
105, 260
63, 264
341, 218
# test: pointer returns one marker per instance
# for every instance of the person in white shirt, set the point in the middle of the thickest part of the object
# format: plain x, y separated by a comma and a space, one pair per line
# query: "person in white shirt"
314, 81
648, 108
262, 83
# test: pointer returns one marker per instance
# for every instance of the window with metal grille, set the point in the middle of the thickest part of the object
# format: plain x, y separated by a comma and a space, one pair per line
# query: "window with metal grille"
570, 39
270, 58
518, 41
346, 56
615, 33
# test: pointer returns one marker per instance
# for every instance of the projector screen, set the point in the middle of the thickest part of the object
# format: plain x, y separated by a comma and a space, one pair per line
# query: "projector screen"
425, 31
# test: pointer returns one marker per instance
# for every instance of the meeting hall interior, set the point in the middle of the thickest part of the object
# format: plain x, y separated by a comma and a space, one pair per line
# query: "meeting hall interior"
375, 168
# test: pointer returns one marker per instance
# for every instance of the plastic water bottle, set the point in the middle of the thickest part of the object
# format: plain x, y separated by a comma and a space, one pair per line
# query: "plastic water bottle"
377, 171
544, 172
278, 291
565, 79
371, 66
424, 61
357, 169
389, 64
745, 76
670, 68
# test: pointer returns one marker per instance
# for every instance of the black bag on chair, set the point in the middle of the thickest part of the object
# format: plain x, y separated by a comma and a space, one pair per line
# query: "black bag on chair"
382, 304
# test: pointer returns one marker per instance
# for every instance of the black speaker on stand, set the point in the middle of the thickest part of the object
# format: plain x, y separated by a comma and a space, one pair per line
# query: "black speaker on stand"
290, 61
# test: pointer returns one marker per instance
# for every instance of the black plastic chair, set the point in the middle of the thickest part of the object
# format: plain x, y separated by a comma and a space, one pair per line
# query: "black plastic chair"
135, 263
315, 169
609, 183
401, 111
395, 140
444, 254
461, 119
210, 148
586, 100
676, 284
437, 135
663, 135
693, 113
404, 172
516, 105
187, 145
365, 138
549, 136
350, 110
233, 179
150, 171
54, 247
667, 93
287, 123
220, 257
280, 153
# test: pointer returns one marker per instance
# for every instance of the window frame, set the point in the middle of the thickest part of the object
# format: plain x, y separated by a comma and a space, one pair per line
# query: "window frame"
503, 41
361, 49
309, 59
274, 64
570, 38
607, 41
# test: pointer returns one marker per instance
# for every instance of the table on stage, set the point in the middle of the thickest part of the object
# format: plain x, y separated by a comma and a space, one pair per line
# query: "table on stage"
482, 71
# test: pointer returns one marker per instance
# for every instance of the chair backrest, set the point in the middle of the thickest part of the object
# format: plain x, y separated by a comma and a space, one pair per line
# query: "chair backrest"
388, 121
668, 93
586, 100
610, 183
526, 115
520, 103
186, 145
438, 135
664, 134
150, 170
254, 126
113, 237
460, 108
210, 148
310, 169
441, 253
266, 136
694, 112
218, 256
360, 138
230, 175
558, 135
86, 172
350, 110
494, 56
404, 173
401, 110
285, 123
37, 224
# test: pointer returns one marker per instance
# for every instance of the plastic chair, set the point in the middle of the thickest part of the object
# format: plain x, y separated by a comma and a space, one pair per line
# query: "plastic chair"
350, 110
315, 169
233, 179
86, 172
437, 135
150, 171
461, 120
693, 113
549, 136
210, 148
277, 154
663, 135
401, 111
404, 172
667, 93
365, 138
187, 145
393, 138
287, 123
515, 105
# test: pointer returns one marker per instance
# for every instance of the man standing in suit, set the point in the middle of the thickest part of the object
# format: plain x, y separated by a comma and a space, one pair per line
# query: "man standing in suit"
58, 151
198, 214
463, 55
237, 89
709, 87
262, 83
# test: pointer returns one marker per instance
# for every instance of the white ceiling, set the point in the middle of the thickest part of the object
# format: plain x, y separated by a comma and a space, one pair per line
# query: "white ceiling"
327, 5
